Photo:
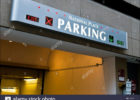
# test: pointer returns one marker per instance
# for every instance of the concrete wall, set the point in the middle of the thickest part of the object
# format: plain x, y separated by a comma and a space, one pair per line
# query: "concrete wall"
134, 2
75, 81
110, 17
21, 54
83, 79
87, 9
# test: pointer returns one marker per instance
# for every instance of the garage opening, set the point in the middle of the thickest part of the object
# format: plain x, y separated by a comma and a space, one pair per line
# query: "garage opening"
65, 72
20, 81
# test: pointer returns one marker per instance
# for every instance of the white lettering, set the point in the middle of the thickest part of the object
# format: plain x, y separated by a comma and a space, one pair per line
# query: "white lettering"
94, 33
60, 23
89, 31
68, 26
83, 30
76, 28
101, 36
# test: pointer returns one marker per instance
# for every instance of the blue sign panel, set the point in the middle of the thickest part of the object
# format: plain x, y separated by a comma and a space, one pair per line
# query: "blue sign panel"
33, 13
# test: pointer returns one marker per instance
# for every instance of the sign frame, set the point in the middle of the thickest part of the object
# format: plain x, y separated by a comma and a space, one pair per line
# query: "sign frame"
53, 19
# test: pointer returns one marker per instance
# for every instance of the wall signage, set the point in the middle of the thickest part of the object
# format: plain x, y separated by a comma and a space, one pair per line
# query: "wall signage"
33, 13
128, 87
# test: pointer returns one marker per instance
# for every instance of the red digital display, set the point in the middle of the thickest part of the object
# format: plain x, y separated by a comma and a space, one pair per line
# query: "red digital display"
32, 18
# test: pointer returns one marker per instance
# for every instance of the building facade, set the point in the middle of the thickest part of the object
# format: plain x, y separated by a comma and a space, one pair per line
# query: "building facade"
36, 60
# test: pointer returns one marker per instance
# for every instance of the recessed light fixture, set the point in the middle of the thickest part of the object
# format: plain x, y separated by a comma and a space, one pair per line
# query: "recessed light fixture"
10, 90
31, 80
10, 41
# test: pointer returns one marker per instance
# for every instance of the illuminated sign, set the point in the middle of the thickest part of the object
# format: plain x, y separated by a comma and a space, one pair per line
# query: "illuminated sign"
32, 18
33, 13
49, 21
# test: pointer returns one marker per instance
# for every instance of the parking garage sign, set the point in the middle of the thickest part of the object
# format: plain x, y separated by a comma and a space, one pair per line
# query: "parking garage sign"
33, 13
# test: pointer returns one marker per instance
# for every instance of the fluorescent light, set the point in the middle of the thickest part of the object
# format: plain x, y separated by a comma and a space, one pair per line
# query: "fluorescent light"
11, 90
31, 80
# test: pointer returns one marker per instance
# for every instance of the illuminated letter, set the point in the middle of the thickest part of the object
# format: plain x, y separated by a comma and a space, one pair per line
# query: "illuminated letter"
68, 26
83, 30
76, 28
94, 33
89, 31
60, 23
101, 36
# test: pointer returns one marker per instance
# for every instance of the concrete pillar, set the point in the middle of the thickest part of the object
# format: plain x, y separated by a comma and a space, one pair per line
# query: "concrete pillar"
110, 75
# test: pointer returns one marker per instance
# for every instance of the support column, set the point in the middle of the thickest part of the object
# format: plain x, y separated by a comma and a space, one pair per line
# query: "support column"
110, 75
